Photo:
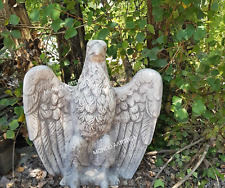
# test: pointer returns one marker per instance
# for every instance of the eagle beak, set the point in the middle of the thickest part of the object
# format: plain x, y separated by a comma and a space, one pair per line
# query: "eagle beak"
98, 54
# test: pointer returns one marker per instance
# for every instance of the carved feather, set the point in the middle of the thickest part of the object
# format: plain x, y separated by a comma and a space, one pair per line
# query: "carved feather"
45, 109
138, 104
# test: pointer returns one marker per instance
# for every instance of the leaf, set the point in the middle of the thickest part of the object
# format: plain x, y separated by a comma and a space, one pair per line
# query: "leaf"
198, 107
152, 54
125, 44
140, 37
10, 134
145, 52
8, 42
211, 174
3, 121
158, 13
195, 174
5, 33
34, 15
130, 51
1, 5
16, 34
21, 118
156, 3
137, 65
70, 5
182, 35
199, 33
4, 102
142, 23
215, 6
66, 62
13, 124
29, 142
187, 2
57, 24
71, 32
103, 33
112, 24
69, 22
176, 100
18, 92
181, 113
151, 28
12, 101
214, 84
180, 163
90, 17
159, 63
158, 183
160, 39
159, 161
139, 47
190, 30
222, 157
20, 169
18, 110
130, 25
14, 19
184, 133
55, 12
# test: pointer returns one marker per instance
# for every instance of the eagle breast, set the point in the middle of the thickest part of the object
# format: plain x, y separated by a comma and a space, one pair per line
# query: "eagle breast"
95, 98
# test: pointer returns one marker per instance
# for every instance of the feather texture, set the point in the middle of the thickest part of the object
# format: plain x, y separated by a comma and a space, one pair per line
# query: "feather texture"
138, 105
45, 111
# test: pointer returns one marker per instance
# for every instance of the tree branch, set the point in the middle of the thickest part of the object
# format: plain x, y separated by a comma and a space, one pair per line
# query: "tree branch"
159, 152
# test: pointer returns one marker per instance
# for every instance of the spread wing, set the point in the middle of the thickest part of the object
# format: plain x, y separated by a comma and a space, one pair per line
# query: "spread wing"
138, 106
48, 115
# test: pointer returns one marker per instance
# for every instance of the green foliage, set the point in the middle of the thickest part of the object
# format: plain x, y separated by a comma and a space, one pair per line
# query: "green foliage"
34, 15
158, 183
11, 126
222, 157
70, 32
14, 19
159, 161
1, 5
16, 34
195, 174
103, 34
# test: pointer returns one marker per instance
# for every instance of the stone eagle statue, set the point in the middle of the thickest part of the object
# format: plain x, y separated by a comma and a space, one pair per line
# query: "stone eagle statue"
91, 133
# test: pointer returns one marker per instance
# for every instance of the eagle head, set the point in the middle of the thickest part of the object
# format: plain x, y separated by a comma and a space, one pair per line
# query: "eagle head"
96, 51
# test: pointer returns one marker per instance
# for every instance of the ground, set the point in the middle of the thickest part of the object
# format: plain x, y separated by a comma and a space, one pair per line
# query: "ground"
30, 173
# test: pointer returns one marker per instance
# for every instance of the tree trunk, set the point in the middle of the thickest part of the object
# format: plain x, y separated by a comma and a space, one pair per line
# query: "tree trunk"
128, 69
76, 46
24, 57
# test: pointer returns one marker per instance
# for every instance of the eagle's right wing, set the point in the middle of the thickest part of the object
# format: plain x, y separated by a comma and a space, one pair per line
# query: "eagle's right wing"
47, 106
138, 105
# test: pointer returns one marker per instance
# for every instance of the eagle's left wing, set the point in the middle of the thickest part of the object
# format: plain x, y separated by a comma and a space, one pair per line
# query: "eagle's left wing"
47, 106
138, 106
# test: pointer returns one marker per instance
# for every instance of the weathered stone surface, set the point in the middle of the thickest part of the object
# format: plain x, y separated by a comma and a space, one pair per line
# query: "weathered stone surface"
91, 133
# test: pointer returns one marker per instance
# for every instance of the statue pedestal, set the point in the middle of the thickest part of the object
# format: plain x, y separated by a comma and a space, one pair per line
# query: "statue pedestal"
93, 175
